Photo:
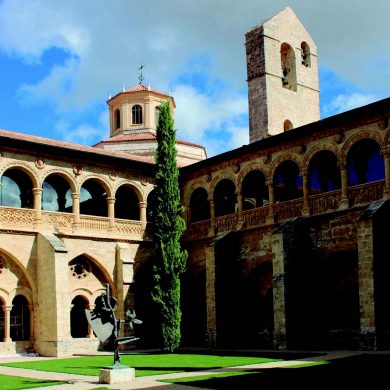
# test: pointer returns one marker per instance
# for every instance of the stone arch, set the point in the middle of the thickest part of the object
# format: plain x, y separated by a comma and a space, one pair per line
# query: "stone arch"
288, 67
127, 200
376, 136
225, 197
318, 148
61, 172
5, 298
254, 166
386, 139
33, 175
220, 177
282, 158
84, 292
100, 266
20, 329
140, 194
199, 205
25, 273
191, 188
78, 322
101, 180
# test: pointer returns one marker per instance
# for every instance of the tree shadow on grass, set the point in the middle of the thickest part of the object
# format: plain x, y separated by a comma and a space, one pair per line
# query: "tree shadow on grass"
346, 372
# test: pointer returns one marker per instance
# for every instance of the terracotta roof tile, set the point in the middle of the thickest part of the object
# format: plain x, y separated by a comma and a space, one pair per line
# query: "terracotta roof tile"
144, 136
73, 146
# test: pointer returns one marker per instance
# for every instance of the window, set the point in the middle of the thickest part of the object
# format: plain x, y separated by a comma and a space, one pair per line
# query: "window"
289, 74
117, 119
305, 52
136, 112
287, 125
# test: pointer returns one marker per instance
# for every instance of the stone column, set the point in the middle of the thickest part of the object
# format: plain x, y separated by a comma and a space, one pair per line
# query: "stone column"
111, 213
386, 155
210, 297
31, 311
7, 323
240, 207
271, 212
142, 214
76, 210
90, 334
38, 204
306, 192
212, 218
344, 202
279, 292
366, 284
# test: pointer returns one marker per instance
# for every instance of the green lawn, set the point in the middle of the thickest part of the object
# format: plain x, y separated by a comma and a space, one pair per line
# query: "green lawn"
8, 382
145, 364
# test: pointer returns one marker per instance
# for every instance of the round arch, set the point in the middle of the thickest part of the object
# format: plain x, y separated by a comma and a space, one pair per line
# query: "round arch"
84, 292
31, 173
105, 184
224, 175
64, 174
133, 186
318, 148
199, 205
254, 166
281, 159
192, 187
370, 134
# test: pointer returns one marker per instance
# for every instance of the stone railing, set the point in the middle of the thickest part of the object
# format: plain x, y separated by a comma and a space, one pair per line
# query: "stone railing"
13, 216
198, 230
255, 217
92, 223
366, 193
323, 203
288, 209
57, 220
226, 223
128, 227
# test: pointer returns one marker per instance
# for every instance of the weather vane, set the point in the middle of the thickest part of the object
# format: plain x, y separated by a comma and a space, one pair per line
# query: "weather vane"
141, 73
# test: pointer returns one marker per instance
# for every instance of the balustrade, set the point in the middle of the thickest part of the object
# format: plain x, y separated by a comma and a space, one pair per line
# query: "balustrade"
289, 209
255, 217
366, 193
226, 223
325, 202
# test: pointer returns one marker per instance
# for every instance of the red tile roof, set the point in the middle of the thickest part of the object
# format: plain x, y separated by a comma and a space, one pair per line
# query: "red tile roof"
73, 146
140, 88
144, 136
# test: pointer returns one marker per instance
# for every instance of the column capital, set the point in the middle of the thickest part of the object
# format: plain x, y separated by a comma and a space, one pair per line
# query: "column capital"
75, 195
269, 183
110, 200
143, 204
37, 191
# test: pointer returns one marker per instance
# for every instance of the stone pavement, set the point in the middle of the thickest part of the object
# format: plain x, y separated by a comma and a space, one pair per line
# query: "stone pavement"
147, 382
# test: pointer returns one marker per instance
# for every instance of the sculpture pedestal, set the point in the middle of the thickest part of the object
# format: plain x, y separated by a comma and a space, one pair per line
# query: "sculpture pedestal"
116, 374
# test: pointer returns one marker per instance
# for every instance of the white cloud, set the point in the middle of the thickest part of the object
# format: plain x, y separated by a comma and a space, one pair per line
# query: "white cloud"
345, 102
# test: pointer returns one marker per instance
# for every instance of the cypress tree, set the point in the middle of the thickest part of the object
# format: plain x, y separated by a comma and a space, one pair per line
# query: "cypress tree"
168, 228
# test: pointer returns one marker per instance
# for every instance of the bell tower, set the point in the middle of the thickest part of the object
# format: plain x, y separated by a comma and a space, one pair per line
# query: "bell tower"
283, 91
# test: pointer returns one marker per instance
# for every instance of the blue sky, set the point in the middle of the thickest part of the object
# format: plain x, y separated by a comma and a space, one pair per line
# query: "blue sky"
59, 61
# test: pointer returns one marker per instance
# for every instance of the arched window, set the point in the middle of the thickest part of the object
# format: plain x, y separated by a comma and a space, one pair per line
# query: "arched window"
117, 119
289, 73
16, 189
156, 115
93, 199
254, 191
199, 205
225, 199
287, 181
151, 205
287, 125
56, 195
305, 53
78, 320
136, 113
20, 319
365, 162
324, 173
126, 203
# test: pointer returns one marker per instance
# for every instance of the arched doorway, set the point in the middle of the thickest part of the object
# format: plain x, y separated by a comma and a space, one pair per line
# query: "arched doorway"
126, 203
57, 194
93, 199
78, 320
16, 189
287, 181
254, 191
20, 319
225, 199
199, 205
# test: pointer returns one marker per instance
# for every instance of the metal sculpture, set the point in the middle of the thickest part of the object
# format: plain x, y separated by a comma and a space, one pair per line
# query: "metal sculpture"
106, 326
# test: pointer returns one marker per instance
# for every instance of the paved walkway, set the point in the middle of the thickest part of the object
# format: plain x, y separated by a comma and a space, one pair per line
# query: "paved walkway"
149, 382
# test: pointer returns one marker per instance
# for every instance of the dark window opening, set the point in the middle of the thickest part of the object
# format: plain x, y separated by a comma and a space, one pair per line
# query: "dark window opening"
126, 204
324, 173
20, 319
305, 53
78, 320
56, 195
199, 205
287, 181
16, 189
225, 199
287, 125
93, 199
136, 112
254, 190
365, 162
117, 119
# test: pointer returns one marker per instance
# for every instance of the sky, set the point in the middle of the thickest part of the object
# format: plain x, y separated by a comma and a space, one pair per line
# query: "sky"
60, 61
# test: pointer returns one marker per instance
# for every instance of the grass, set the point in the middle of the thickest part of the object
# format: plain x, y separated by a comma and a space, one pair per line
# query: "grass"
145, 364
9, 382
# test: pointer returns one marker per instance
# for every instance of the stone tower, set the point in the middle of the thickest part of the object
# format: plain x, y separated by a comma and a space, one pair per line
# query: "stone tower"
282, 68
